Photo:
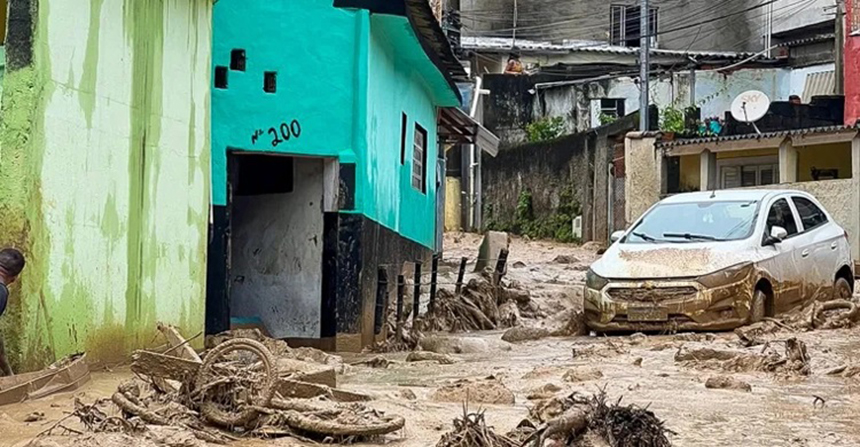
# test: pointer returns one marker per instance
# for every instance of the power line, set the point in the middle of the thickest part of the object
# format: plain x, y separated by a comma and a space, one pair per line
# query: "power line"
524, 30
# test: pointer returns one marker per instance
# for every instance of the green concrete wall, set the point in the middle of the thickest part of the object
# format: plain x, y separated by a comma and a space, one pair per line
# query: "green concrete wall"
104, 176
345, 76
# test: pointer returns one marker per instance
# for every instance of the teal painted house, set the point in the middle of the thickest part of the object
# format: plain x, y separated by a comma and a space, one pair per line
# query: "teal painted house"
327, 118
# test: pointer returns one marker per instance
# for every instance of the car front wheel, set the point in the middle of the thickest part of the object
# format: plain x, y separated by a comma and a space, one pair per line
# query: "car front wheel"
757, 307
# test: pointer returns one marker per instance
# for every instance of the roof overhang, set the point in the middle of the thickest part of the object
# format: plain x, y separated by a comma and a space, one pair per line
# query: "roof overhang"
815, 136
456, 127
428, 31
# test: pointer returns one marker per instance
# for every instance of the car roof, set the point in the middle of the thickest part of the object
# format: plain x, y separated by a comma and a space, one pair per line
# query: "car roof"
723, 195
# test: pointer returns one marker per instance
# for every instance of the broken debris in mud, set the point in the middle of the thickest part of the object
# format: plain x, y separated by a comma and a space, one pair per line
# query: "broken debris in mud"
238, 389
793, 360
574, 420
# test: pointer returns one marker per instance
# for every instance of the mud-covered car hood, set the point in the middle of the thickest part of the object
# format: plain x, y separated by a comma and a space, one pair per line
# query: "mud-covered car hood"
683, 260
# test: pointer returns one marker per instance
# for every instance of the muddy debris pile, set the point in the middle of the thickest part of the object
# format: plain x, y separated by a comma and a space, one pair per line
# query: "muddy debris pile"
581, 421
239, 389
833, 314
479, 306
489, 390
793, 360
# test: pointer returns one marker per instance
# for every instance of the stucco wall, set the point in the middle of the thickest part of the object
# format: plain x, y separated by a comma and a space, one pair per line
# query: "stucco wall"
316, 80
789, 14
343, 78
276, 273
396, 87
644, 171
577, 164
104, 174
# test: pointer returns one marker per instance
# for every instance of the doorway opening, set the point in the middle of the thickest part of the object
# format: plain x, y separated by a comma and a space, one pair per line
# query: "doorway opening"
275, 250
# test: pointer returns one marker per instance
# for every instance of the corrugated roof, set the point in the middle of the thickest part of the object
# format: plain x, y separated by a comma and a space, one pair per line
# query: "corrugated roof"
499, 44
755, 136
809, 40
819, 84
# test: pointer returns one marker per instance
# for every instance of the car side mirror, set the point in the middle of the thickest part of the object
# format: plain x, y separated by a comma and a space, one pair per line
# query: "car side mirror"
777, 235
616, 236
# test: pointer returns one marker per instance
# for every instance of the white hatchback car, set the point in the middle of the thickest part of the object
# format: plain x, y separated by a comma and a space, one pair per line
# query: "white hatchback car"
718, 260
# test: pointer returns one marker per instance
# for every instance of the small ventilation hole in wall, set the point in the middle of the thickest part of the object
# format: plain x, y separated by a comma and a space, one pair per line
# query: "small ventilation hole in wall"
270, 82
220, 76
237, 60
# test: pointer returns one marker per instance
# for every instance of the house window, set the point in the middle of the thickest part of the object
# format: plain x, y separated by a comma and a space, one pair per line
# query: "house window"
625, 25
221, 77
270, 82
419, 159
612, 107
237, 60
403, 122
748, 175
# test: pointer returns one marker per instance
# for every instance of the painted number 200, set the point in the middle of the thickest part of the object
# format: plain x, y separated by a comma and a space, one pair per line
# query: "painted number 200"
284, 132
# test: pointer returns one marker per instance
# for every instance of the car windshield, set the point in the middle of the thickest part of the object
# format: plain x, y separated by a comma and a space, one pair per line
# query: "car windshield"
696, 222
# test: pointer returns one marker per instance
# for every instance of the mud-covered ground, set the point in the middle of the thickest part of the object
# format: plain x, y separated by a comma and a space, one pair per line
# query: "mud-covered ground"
767, 408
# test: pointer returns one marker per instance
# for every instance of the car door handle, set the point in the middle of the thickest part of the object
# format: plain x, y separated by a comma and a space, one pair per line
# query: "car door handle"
834, 246
805, 253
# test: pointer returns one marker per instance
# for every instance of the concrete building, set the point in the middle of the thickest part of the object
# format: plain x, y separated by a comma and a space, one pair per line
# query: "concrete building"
104, 173
327, 122
852, 62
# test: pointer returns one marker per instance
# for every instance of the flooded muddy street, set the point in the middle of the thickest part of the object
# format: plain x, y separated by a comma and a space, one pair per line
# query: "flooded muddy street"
709, 389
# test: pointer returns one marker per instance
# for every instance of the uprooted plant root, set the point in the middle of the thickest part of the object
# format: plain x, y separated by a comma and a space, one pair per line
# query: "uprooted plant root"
471, 430
617, 425
577, 420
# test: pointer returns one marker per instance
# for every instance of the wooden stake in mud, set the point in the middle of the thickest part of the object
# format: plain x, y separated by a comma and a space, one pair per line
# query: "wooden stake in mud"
416, 295
434, 270
500, 267
381, 301
461, 274
401, 286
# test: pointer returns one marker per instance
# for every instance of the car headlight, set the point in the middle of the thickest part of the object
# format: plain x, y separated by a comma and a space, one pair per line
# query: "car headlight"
594, 281
726, 276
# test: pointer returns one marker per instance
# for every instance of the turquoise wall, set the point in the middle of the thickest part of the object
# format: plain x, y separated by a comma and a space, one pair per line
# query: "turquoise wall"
346, 77
311, 46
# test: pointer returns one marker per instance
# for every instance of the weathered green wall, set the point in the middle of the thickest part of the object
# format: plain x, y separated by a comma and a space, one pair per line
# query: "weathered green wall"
104, 176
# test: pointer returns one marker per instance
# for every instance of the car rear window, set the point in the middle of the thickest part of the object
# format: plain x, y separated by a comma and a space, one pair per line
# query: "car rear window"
696, 222
810, 214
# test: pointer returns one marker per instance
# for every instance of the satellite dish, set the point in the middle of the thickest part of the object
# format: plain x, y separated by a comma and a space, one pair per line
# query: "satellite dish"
750, 106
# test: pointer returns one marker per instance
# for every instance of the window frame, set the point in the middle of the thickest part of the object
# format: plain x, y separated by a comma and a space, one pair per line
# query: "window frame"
404, 123
422, 163
791, 210
619, 37
617, 111
816, 206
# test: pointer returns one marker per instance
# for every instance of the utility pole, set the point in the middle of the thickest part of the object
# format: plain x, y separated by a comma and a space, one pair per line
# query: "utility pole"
839, 56
644, 63
516, 13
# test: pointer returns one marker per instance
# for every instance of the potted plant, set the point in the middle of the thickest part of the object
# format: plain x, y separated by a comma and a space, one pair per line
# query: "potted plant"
671, 122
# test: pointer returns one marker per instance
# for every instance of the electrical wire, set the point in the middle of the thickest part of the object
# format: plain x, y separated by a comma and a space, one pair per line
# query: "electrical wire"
524, 31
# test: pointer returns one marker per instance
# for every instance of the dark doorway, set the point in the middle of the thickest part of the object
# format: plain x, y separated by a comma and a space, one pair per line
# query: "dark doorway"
269, 239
